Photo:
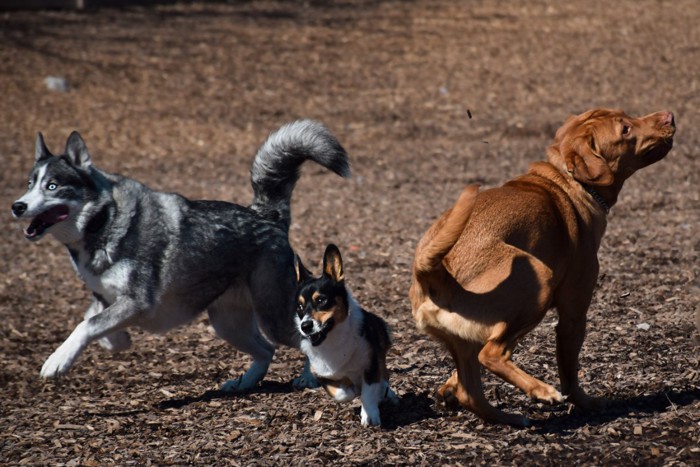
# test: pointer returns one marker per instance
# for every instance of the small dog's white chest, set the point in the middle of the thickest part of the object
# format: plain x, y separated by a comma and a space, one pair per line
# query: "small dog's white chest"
336, 358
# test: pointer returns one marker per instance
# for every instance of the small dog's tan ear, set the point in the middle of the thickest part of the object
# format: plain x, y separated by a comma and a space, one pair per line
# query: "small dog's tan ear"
333, 263
302, 273
585, 164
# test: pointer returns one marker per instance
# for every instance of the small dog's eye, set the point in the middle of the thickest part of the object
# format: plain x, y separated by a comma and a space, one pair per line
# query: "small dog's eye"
51, 186
300, 306
321, 300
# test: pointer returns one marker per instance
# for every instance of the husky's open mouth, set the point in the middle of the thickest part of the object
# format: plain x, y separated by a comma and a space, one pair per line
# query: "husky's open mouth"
45, 220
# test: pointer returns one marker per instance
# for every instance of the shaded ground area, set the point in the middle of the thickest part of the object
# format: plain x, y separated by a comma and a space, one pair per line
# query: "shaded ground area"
426, 96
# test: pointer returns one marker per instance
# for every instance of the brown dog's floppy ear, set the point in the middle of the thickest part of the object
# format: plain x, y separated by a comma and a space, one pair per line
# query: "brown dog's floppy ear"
585, 164
302, 273
333, 263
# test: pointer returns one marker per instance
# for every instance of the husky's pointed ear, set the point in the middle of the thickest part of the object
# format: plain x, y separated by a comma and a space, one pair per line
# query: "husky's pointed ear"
77, 151
586, 165
41, 152
302, 273
333, 263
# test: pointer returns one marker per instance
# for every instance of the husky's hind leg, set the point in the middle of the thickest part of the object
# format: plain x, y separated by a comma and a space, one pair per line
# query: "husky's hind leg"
306, 380
274, 307
233, 319
115, 342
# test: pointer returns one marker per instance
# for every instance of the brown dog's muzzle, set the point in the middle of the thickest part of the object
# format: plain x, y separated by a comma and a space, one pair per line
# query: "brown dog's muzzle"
661, 126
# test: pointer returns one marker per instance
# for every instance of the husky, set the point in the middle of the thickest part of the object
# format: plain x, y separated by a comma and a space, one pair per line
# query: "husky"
156, 260
346, 345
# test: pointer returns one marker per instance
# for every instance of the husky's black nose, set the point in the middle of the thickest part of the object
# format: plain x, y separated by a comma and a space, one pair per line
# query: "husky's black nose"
18, 208
307, 327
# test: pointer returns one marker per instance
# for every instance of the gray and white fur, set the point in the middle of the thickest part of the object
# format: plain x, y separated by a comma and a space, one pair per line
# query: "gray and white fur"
156, 260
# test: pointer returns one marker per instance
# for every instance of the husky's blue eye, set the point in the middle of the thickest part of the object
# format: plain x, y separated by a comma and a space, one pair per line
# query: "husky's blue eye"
51, 186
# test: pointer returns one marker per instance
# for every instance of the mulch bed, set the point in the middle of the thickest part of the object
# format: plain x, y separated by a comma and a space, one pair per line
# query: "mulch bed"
427, 96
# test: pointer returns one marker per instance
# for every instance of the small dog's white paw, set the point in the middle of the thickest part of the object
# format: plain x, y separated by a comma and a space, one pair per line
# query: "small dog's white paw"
369, 416
116, 342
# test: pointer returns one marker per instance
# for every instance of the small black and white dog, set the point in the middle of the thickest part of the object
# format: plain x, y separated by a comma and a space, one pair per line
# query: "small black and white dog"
346, 345
156, 260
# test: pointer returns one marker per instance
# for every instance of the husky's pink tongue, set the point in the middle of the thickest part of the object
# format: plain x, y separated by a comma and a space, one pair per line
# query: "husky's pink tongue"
45, 220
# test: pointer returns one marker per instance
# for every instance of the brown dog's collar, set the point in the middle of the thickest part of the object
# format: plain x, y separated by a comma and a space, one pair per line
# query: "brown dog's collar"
596, 196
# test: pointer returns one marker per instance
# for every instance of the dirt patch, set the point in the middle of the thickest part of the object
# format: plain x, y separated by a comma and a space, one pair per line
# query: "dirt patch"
426, 96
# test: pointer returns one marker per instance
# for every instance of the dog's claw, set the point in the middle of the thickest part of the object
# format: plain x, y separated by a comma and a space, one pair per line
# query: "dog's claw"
547, 395
63, 357
55, 366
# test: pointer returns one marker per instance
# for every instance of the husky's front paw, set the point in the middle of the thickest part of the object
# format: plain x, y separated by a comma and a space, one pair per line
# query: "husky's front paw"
58, 363
62, 359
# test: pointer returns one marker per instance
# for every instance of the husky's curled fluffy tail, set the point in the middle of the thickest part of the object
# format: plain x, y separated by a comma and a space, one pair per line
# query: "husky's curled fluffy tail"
275, 169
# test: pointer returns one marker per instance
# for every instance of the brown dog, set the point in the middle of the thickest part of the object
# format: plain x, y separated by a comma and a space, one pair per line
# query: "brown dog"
490, 267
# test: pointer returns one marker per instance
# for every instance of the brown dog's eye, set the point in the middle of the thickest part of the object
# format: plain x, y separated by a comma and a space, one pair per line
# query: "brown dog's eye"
626, 130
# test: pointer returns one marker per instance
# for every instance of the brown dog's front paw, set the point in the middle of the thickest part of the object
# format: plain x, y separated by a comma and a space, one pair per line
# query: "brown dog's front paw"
546, 394
447, 396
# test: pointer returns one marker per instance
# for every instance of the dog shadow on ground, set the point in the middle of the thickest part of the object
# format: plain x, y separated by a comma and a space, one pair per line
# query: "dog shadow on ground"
266, 387
634, 407
412, 407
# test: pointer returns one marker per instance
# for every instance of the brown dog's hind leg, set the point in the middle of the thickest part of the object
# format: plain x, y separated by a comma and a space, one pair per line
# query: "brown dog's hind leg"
467, 389
496, 356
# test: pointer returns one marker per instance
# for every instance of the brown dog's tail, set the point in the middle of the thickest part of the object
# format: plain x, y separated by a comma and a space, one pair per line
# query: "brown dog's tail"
446, 232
